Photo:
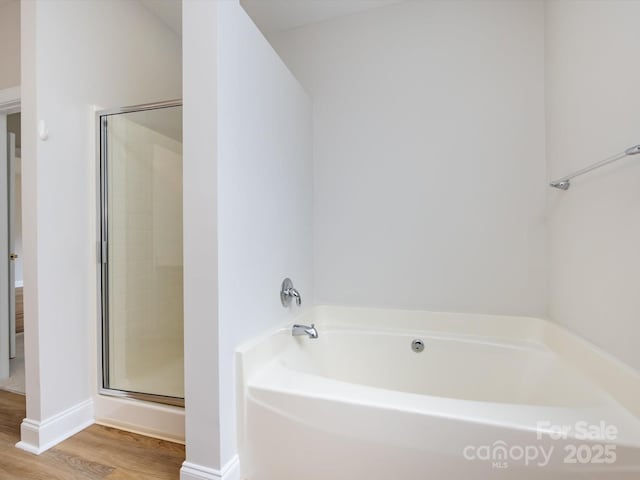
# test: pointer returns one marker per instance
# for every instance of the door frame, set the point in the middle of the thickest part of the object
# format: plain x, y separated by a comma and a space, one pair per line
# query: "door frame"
9, 103
10, 100
101, 150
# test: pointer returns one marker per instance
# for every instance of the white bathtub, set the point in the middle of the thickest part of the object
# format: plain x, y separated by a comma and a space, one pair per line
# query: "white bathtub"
489, 397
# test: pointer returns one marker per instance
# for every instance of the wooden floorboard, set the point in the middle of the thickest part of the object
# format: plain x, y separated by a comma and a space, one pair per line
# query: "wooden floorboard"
93, 454
19, 311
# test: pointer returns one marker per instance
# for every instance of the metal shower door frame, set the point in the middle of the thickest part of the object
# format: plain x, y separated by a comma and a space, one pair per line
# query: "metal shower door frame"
101, 119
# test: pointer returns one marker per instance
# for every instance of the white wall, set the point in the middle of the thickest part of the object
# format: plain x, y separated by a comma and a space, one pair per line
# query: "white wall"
200, 234
592, 112
261, 141
74, 55
264, 194
429, 179
10, 44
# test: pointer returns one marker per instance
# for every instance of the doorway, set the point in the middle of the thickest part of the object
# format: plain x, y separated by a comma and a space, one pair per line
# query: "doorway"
141, 256
12, 365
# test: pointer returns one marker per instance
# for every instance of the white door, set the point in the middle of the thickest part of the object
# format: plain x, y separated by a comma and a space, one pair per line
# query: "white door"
5, 332
11, 185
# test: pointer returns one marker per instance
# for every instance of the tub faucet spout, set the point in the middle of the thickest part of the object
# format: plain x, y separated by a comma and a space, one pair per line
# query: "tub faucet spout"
311, 331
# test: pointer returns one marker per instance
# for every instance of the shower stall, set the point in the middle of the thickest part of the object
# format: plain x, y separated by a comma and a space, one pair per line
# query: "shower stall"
140, 251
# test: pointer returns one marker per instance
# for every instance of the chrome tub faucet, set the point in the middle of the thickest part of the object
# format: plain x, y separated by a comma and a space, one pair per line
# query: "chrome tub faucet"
299, 330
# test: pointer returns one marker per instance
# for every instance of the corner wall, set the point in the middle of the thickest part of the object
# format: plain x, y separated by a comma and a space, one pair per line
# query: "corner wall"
592, 113
248, 162
265, 189
200, 239
429, 172
75, 54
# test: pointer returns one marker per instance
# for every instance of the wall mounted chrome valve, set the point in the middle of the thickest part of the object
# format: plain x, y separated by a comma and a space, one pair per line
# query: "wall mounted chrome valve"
288, 293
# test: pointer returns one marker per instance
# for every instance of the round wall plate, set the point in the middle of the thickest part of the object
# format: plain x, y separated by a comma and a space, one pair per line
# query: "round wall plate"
284, 298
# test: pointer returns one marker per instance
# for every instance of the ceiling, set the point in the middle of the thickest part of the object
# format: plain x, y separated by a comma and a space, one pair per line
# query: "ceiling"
278, 15
169, 11
272, 15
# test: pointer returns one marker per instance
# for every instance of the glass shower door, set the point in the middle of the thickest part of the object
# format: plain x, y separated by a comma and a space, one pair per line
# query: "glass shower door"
141, 234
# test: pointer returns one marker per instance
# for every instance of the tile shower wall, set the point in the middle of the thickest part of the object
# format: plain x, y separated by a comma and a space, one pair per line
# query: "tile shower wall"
145, 238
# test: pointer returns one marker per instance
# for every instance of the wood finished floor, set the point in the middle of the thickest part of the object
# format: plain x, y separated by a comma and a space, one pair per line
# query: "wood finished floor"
19, 311
93, 454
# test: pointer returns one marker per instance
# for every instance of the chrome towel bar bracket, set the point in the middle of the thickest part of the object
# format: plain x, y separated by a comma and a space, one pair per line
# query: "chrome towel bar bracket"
565, 182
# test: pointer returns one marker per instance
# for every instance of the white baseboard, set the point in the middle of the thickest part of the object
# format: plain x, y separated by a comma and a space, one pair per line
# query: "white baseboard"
40, 436
192, 471
145, 418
